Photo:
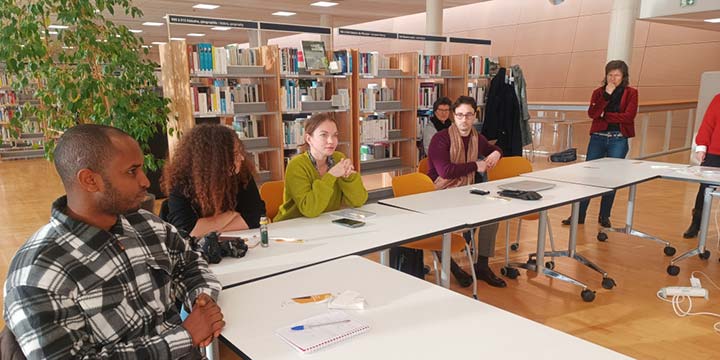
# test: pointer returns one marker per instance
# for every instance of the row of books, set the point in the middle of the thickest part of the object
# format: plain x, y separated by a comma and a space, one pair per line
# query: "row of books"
289, 96
246, 93
6, 79
8, 98
373, 129
369, 96
246, 126
315, 93
212, 100
289, 61
344, 60
293, 131
6, 114
429, 65
477, 92
428, 94
482, 66
369, 63
243, 56
205, 59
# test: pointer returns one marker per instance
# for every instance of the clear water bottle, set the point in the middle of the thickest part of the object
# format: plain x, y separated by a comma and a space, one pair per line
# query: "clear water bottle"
264, 241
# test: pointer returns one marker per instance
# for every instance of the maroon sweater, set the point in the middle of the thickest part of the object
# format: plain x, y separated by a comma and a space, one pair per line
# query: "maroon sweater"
625, 118
439, 156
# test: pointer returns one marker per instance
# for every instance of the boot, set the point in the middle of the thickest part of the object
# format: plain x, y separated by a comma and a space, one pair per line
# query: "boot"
484, 272
568, 221
604, 221
694, 228
462, 277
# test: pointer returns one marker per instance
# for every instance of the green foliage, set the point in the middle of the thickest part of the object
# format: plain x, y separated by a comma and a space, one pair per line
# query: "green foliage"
92, 72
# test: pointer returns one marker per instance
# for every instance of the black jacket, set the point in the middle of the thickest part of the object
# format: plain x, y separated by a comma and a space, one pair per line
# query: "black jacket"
502, 116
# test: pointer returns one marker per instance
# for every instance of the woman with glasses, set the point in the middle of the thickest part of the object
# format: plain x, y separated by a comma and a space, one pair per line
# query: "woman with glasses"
440, 120
613, 107
454, 155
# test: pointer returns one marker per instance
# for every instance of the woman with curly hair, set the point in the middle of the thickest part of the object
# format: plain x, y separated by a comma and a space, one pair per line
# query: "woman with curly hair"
320, 179
210, 183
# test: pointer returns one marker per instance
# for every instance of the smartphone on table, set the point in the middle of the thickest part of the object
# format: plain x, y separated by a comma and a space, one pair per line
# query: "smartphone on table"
348, 222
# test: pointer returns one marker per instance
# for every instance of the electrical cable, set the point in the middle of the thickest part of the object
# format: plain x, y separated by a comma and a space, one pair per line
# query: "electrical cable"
679, 299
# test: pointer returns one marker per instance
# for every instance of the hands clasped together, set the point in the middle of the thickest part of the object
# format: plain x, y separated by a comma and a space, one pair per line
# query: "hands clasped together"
489, 162
205, 321
343, 168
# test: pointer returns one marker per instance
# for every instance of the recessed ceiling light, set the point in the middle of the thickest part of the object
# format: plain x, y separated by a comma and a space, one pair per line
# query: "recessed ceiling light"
68, 47
195, 34
177, 38
58, 27
714, 21
324, 3
150, 23
221, 28
147, 46
283, 13
52, 32
135, 31
159, 43
206, 6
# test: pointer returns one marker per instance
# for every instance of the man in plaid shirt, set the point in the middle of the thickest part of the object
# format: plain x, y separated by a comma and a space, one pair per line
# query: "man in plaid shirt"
104, 279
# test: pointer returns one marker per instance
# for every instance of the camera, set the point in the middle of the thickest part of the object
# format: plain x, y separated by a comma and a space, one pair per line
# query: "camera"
213, 250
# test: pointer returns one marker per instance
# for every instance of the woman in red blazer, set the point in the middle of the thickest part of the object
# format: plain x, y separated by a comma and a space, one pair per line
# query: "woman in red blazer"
613, 107
707, 153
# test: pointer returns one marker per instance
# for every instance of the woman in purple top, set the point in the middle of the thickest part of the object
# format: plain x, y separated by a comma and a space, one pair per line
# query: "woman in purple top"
460, 156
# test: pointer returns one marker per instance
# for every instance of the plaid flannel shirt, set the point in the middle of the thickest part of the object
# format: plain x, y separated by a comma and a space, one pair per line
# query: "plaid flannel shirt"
74, 290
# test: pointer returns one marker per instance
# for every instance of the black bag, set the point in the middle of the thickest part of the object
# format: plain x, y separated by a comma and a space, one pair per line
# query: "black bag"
409, 261
567, 155
213, 250
520, 194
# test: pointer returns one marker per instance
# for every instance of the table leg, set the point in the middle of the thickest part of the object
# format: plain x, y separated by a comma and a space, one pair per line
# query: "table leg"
700, 250
385, 257
445, 261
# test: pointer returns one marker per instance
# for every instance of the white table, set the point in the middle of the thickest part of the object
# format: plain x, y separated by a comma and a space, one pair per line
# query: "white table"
323, 241
475, 210
409, 319
613, 174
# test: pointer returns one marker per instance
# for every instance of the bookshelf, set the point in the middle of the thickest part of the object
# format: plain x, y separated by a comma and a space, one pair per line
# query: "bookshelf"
25, 142
230, 86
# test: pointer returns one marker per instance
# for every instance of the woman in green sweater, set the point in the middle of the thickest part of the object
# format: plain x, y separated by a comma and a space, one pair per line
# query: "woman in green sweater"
320, 179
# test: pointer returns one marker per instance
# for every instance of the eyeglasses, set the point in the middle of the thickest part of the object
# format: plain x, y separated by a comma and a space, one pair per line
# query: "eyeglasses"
442, 110
465, 116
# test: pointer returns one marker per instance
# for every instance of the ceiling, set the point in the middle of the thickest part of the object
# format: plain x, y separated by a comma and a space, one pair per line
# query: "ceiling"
693, 20
347, 12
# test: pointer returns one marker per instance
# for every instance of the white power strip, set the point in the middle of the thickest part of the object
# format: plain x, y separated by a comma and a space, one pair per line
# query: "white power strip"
671, 291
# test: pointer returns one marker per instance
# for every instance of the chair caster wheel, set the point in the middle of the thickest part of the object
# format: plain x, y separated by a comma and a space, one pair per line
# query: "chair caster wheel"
704, 255
673, 270
514, 247
587, 295
608, 283
669, 251
509, 272
550, 265
601, 236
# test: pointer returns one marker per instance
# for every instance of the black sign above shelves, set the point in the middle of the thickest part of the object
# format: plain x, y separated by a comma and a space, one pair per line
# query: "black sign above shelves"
203, 21
468, 41
296, 28
416, 37
422, 37
367, 33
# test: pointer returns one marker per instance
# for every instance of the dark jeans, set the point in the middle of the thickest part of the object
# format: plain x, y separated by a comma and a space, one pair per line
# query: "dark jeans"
600, 147
710, 160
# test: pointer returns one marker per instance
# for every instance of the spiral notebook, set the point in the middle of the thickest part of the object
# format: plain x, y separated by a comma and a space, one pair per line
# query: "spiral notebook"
318, 336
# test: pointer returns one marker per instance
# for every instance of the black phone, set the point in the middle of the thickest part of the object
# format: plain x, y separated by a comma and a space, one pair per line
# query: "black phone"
479, 191
348, 222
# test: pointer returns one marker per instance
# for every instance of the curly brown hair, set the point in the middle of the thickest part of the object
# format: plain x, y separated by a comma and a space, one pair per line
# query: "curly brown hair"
203, 169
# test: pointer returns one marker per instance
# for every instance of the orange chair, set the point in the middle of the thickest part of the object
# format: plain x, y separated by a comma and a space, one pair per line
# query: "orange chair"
271, 192
416, 183
424, 166
509, 167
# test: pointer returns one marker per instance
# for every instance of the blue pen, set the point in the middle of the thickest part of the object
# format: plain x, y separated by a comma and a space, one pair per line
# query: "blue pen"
310, 326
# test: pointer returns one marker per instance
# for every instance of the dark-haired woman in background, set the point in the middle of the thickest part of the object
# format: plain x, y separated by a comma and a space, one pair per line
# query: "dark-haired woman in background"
613, 107
210, 183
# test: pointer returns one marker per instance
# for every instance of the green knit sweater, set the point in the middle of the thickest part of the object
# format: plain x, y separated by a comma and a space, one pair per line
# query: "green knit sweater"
307, 194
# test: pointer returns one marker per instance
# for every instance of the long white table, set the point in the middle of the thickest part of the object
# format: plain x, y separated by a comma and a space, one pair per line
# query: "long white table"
618, 173
409, 319
474, 210
323, 241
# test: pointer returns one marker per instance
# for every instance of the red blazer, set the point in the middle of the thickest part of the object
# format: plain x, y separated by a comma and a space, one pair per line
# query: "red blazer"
709, 133
626, 116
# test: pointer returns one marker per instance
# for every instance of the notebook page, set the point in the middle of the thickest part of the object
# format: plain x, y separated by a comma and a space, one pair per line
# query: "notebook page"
316, 338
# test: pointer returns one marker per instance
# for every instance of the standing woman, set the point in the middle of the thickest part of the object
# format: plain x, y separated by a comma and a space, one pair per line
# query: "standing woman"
210, 183
454, 154
320, 179
613, 107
